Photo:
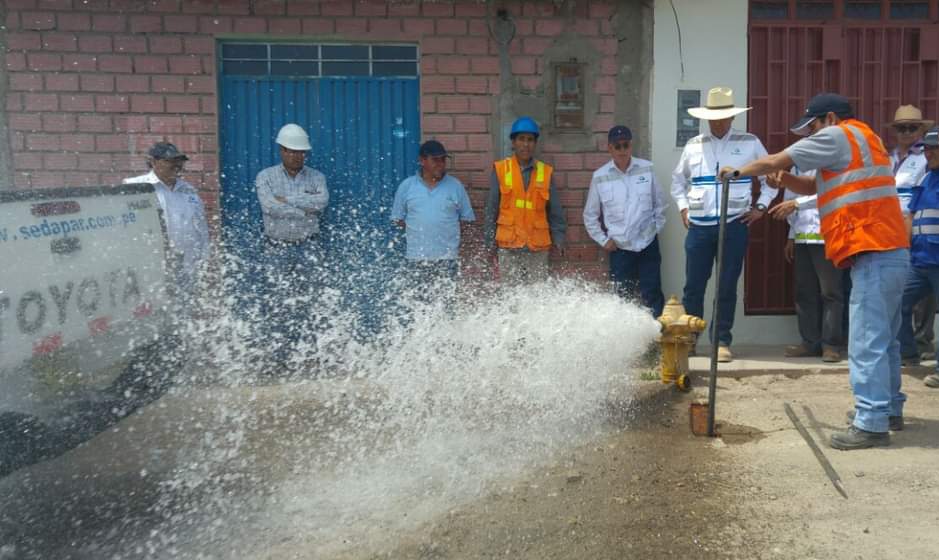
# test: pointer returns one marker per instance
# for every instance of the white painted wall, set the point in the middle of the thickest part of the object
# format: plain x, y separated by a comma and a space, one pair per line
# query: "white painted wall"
714, 52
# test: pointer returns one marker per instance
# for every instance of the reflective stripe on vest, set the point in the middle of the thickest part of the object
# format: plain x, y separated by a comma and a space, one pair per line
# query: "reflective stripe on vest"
858, 206
522, 220
810, 237
923, 222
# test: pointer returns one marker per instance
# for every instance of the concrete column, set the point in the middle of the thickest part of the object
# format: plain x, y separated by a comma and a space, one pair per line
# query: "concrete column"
6, 154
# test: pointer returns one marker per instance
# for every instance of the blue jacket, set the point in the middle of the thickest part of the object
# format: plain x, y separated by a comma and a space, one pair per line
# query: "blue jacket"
924, 206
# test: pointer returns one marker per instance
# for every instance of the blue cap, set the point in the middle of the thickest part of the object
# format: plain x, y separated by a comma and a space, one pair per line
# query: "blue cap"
432, 148
165, 150
821, 105
619, 133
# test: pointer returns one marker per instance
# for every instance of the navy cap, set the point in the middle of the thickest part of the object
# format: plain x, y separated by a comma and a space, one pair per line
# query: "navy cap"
432, 148
165, 150
931, 138
821, 105
618, 133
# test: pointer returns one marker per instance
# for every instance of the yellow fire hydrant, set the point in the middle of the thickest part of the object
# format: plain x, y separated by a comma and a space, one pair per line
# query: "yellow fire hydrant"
678, 330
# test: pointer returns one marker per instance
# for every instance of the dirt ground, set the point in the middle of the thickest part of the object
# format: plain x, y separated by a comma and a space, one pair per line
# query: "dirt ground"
655, 491
646, 489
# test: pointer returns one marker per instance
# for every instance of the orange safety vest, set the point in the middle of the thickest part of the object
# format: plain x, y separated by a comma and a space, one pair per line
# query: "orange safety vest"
523, 216
858, 206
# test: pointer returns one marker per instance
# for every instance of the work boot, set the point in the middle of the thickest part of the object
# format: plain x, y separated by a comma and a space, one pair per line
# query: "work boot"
909, 361
831, 354
932, 380
896, 422
724, 355
801, 351
856, 438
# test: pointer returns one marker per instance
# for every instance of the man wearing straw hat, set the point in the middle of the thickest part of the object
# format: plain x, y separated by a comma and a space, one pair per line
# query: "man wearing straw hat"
909, 168
696, 190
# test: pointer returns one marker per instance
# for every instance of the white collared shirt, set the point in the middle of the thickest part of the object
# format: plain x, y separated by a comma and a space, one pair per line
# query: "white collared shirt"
184, 215
631, 204
694, 180
908, 173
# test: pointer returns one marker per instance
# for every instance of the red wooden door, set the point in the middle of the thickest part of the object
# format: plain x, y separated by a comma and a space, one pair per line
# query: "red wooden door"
879, 53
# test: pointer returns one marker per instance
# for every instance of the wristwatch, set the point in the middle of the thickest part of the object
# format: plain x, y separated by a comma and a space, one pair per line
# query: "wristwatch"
761, 207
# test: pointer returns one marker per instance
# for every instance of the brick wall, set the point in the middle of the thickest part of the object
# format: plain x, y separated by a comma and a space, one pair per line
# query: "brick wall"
93, 83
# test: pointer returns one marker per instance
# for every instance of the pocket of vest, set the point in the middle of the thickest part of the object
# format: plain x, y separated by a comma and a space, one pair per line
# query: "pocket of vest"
505, 218
696, 199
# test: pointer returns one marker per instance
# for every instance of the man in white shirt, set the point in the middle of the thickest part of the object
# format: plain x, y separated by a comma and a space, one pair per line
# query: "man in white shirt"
696, 190
819, 286
909, 168
183, 214
292, 196
624, 213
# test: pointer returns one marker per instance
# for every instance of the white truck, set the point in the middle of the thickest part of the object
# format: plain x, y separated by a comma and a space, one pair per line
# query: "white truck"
83, 304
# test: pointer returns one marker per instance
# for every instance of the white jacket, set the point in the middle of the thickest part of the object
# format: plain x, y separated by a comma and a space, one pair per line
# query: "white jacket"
908, 174
186, 227
631, 204
694, 180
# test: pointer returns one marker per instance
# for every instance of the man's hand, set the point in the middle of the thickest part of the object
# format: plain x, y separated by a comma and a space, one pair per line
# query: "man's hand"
775, 179
790, 250
684, 217
726, 173
782, 210
752, 216
609, 246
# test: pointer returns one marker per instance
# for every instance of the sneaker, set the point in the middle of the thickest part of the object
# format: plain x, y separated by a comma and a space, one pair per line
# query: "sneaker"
932, 380
927, 356
896, 422
831, 354
856, 438
801, 351
724, 355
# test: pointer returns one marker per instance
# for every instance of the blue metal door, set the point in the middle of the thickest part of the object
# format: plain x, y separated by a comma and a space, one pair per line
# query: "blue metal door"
364, 132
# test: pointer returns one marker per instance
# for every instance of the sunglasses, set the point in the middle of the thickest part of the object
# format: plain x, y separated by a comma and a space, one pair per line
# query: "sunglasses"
906, 128
622, 146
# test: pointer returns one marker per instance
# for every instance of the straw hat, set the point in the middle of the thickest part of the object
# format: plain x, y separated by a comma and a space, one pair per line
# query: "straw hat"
720, 105
910, 114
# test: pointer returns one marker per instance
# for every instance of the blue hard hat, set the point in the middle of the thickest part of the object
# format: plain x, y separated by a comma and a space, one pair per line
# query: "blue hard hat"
525, 124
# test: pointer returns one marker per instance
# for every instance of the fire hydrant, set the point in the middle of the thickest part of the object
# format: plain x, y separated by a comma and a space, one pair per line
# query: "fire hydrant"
678, 332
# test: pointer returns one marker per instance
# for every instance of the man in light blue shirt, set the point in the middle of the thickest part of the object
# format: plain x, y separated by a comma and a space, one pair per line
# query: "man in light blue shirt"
430, 206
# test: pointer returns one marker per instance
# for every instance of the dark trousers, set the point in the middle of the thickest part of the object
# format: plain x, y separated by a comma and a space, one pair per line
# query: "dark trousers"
700, 256
819, 297
924, 322
430, 281
629, 268
920, 282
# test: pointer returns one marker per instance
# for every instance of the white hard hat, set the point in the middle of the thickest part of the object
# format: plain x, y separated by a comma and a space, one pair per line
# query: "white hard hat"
293, 137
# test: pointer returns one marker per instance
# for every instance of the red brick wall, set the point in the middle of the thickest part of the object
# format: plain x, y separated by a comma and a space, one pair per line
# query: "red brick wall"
93, 83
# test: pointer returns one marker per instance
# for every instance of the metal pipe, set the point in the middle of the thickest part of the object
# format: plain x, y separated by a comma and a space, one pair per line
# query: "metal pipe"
715, 314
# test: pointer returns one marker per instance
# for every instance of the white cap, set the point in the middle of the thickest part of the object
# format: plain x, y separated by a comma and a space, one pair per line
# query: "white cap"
293, 137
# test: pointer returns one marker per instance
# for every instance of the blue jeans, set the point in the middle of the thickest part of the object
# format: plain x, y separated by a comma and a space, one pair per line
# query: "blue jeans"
877, 280
700, 254
291, 276
626, 266
920, 282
